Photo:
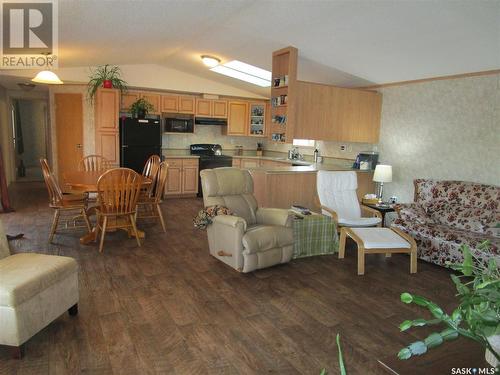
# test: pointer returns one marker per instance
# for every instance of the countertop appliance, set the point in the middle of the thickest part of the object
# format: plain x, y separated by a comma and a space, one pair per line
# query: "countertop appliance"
210, 157
366, 160
179, 124
139, 139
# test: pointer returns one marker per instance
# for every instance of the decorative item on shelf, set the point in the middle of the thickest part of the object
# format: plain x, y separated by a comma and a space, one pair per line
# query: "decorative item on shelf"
383, 173
259, 149
238, 150
140, 108
278, 137
279, 100
280, 81
279, 119
105, 76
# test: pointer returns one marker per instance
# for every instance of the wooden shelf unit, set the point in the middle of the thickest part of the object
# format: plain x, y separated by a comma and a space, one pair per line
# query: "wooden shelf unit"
284, 64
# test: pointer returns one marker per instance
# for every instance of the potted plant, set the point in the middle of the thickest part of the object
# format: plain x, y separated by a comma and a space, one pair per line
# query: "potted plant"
105, 76
477, 317
140, 108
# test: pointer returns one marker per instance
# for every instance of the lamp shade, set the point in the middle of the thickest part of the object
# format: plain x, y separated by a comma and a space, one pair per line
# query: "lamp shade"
46, 76
383, 173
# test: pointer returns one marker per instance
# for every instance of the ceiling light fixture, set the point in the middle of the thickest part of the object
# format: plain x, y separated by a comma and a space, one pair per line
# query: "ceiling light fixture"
245, 72
26, 86
48, 77
210, 61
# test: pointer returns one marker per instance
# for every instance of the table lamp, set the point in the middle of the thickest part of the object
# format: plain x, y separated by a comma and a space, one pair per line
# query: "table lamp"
383, 173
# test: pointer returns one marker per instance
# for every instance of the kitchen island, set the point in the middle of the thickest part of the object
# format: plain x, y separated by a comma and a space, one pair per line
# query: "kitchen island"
279, 184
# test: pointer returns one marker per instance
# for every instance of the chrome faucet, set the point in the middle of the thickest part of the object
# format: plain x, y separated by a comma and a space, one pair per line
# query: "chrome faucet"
293, 154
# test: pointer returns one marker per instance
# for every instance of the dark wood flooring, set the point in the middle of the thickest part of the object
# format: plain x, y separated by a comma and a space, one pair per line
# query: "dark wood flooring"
170, 308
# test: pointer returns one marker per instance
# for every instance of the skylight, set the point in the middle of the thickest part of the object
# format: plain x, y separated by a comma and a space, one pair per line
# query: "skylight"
245, 72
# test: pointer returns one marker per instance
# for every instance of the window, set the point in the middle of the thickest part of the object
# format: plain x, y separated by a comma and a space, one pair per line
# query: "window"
304, 142
245, 72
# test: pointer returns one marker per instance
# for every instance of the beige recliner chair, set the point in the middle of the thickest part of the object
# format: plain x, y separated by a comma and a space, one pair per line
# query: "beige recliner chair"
251, 238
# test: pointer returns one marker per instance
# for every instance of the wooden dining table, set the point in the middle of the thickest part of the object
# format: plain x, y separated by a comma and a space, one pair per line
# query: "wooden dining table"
86, 182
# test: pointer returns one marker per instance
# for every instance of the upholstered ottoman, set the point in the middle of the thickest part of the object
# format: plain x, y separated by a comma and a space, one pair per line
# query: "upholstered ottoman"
35, 289
379, 241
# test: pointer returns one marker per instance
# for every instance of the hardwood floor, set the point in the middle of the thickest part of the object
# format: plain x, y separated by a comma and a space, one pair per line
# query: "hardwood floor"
168, 307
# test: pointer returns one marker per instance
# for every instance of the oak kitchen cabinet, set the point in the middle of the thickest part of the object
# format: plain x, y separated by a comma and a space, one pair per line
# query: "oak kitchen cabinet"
107, 108
182, 177
186, 104
237, 120
325, 112
211, 108
172, 103
128, 98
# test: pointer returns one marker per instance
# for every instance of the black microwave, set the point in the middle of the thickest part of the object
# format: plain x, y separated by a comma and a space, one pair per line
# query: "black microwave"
179, 124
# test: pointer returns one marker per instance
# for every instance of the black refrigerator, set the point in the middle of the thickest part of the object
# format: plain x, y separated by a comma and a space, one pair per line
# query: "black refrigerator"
139, 139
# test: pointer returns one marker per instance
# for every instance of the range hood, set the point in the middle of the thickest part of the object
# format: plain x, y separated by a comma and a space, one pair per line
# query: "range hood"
210, 121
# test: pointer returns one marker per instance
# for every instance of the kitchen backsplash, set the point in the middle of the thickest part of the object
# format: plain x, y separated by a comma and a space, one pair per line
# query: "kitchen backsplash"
208, 134
326, 148
212, 134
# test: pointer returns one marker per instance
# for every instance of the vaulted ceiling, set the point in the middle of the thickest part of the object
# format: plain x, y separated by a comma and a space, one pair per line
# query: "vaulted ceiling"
348, 43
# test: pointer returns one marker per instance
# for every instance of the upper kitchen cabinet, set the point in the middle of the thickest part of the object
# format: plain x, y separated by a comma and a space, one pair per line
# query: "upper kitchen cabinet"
325, 112
257, 119
186, 104
169, 103
219, 108
203, 107
107, 108
154, 99
211, 108
237, 121
128, 98
177, 104
306, 110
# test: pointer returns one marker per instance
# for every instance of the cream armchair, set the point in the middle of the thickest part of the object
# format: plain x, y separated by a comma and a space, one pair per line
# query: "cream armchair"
253, 237
35, 289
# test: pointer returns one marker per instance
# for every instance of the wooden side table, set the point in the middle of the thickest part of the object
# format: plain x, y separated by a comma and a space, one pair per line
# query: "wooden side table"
382, 209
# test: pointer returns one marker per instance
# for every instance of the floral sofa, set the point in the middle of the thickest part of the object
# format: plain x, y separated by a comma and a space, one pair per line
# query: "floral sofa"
447, 214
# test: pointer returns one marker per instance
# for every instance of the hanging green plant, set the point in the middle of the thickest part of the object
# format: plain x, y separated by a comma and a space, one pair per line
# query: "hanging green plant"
140, 108
105, 76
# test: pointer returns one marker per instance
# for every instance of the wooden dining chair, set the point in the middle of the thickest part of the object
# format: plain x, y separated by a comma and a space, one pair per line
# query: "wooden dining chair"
117, 190
63, 203
94, 163
150, 171
149, 207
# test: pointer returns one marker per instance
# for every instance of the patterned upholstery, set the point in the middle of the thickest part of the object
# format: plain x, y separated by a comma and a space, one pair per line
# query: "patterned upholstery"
447, 214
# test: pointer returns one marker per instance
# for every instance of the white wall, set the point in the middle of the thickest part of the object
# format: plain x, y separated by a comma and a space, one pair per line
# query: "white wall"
150, 76
445, 129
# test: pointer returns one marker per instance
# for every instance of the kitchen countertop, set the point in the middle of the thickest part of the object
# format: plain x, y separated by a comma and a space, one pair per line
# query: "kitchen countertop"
181, 156
304, 169
287, 167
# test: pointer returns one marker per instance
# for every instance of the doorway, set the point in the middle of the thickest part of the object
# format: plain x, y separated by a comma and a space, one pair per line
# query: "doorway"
69, 130
29, 130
